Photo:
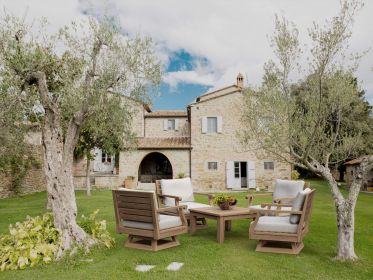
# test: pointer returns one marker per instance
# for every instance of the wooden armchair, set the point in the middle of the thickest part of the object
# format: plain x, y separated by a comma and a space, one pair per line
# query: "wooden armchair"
274, 232
283, 195
148, 227
180, 192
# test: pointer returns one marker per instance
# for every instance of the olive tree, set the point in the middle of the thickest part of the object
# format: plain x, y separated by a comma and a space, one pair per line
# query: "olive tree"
113, 138
317, 131
81, 70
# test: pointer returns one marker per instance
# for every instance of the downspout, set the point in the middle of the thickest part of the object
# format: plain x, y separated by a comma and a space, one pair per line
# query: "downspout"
190, 140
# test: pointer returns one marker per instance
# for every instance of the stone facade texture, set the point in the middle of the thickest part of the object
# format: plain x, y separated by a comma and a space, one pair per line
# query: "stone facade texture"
34, 180
154, 127
225, 146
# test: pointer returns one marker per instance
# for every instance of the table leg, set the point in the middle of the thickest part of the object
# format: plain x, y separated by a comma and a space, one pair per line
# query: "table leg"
228, 225
193, 224
220, 230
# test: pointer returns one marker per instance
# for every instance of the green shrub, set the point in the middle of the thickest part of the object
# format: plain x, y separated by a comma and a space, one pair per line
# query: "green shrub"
36, 240
31, 242
294, 175
97, 229
180, 175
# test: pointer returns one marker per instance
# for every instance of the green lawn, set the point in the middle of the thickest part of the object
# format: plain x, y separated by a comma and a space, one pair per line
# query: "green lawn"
202, 256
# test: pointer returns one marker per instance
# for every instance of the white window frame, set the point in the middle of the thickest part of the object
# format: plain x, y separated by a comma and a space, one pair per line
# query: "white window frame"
171, 124
212, 163
213, 128
267, 164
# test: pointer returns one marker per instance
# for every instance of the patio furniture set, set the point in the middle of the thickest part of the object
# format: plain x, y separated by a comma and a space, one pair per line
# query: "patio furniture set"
152, 220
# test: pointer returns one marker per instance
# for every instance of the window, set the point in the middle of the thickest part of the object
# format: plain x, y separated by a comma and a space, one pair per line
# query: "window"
171, 124
105, 157
269, 165
212, 124
212, 165
236, 169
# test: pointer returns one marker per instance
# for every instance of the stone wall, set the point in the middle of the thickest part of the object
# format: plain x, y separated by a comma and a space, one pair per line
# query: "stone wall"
154, 127
225, 146
129, 162
34, 181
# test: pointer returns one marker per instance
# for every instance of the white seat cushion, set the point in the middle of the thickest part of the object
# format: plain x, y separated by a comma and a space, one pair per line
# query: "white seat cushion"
287, 189
275, 224
255, 208
165, 221
178, 187
191, 205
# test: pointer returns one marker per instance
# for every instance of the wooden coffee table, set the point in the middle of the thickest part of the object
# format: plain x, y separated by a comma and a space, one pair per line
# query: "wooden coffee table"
223, 218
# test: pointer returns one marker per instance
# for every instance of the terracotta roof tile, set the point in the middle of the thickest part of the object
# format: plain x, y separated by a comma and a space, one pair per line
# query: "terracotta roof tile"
158, 114
166, 142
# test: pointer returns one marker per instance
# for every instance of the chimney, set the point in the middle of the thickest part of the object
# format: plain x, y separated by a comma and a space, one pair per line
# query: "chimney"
240, 80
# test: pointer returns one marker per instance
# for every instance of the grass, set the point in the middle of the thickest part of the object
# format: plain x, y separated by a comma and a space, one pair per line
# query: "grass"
202, 256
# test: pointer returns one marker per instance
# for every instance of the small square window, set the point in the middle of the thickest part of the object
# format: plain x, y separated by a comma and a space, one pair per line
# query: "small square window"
212, 124
171, 124
212, 165
269, 165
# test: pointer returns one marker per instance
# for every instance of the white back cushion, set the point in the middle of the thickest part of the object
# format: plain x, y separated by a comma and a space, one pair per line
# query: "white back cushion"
298, 205
287, 189
141, 191
179, 187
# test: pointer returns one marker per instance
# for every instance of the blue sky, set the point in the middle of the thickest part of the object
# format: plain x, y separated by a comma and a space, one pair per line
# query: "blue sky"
179, 96
203, 45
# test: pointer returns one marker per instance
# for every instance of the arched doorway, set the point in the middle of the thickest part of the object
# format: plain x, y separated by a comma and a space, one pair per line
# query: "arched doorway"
154, 166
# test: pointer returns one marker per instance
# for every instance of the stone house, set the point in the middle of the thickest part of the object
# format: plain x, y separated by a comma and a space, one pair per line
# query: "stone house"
350, 171
200, 142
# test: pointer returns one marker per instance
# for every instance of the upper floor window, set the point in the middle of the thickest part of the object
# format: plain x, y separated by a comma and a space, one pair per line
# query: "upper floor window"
212, 165
171, 124
269, 165
212, 124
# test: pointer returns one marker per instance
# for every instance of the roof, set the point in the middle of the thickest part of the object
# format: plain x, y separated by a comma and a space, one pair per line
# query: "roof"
164, 143
160, 114
355, 161
217, 93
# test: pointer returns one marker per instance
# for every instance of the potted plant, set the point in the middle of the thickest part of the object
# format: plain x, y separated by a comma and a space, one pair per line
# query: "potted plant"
225, 202
129, 182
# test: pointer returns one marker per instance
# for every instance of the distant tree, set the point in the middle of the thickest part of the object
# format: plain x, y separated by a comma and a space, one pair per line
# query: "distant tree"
68, 75
319, 128
111, 131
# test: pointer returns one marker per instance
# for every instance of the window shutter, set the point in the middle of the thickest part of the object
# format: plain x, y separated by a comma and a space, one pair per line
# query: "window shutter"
230, 174
220, 124
165, 124
176, 124
251, 174
204, 124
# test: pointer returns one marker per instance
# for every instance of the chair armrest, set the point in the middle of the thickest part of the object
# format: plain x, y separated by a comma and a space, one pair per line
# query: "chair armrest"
277, 211
209, 196
280, 200
177, 198
251, 197
275, 204
171, 208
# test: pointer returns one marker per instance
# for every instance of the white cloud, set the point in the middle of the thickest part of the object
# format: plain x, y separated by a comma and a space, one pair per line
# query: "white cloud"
231, 35
190, 77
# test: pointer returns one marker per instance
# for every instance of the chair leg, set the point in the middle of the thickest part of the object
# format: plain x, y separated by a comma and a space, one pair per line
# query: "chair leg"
149, 244
270, 247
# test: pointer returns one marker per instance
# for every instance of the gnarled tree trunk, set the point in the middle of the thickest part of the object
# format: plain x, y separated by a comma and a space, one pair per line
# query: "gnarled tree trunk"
58, 165
345, 212
346, 228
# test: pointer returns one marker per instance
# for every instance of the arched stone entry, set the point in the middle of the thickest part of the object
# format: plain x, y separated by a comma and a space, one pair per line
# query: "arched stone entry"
154, 166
